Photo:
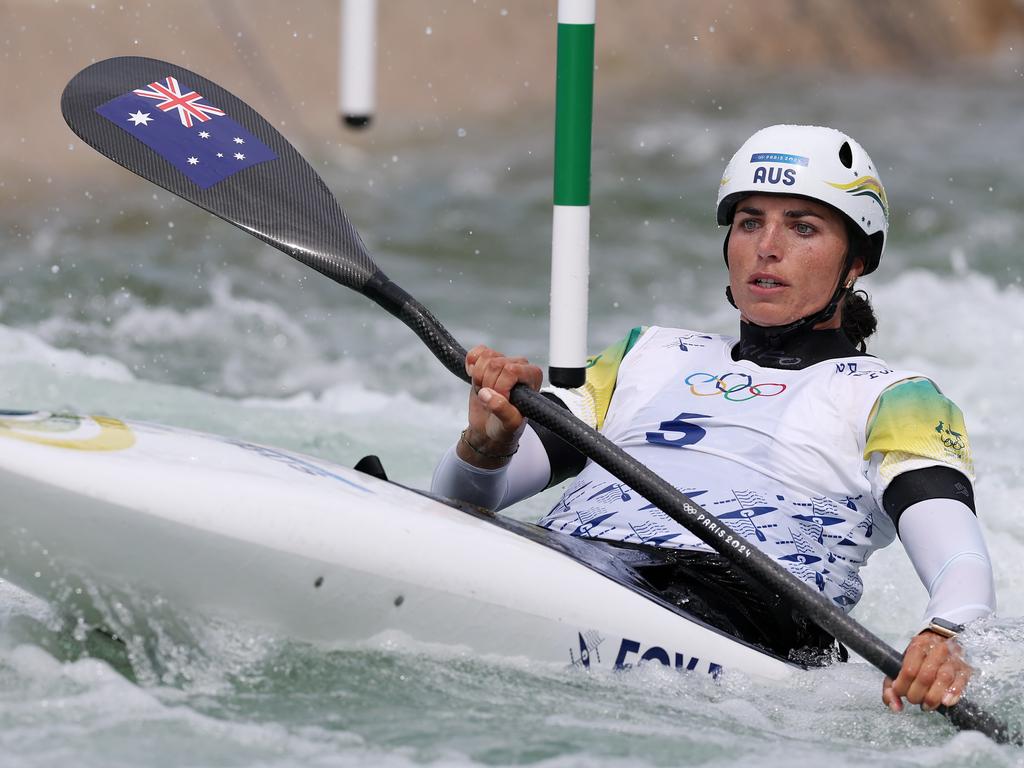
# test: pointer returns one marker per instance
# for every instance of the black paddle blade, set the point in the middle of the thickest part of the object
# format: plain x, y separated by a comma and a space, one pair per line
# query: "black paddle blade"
194, 138
279, 199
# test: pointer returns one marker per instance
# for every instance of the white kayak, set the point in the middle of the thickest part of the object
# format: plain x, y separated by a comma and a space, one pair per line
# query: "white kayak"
93, 507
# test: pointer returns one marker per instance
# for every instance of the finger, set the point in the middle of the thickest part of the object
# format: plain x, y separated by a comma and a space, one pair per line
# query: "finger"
502, 373
925, 679
498, 406
491, 370
889, 698
474, 354
529, 374
485, 360
533, 377
913, 658
956, 688
943, 679
480, 366
507, 378
513, 373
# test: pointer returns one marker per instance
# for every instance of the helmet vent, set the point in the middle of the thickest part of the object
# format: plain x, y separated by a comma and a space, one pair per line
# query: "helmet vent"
846, 155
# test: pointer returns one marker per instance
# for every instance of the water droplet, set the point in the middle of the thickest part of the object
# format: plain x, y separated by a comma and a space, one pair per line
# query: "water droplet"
429, 30
461, 133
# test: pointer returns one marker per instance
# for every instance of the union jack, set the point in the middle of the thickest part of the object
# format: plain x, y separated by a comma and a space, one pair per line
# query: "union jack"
169, 94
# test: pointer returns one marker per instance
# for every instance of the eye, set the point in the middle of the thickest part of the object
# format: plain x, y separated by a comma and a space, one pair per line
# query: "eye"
803, 228
749, 225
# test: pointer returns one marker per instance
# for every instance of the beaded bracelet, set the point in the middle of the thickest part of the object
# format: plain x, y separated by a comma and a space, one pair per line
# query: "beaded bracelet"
477, 451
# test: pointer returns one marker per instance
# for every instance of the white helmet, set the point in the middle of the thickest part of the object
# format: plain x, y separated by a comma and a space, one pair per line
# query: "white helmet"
822, 164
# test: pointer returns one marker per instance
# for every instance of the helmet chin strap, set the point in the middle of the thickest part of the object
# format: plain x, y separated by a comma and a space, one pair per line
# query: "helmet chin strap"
778, 334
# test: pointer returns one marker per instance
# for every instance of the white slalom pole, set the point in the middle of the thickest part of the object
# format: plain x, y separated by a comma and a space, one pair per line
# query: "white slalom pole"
570, 237
357, 65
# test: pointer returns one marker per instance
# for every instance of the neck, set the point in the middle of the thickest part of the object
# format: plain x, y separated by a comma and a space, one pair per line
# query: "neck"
794, 350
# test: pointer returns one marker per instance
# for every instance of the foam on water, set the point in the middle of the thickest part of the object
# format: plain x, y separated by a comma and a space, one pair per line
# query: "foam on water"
23, 348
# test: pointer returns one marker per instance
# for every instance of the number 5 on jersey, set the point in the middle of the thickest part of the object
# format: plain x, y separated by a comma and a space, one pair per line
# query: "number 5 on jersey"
678, 432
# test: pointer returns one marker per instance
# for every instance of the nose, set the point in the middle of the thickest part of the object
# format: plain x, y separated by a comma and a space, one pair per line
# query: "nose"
769, 245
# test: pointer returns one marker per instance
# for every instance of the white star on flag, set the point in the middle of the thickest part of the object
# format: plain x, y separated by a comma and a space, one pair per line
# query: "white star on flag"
239, 140
139, 118
193, 161
239, 156
220, 154
204, 134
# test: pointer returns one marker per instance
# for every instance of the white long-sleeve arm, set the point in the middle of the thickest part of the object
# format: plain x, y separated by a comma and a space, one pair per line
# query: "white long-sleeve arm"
526, 474
943, 539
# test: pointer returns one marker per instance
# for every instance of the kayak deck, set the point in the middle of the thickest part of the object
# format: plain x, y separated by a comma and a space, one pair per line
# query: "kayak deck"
99, 510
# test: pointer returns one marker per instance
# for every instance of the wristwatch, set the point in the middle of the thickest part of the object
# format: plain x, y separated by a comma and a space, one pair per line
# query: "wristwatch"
945, 628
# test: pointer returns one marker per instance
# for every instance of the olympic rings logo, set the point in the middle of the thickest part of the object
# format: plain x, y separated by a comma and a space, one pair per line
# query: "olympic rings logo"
955, 443
735, 387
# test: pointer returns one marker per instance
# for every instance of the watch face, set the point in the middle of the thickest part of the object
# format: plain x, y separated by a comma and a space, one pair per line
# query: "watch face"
946, 628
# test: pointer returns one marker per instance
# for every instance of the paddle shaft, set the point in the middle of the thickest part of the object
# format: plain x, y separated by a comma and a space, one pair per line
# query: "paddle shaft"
287, 205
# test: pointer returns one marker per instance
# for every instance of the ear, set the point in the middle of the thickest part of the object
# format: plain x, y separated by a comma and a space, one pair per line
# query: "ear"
855, 271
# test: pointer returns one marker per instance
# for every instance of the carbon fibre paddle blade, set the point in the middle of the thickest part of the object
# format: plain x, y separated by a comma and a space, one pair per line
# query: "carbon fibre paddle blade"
194, 138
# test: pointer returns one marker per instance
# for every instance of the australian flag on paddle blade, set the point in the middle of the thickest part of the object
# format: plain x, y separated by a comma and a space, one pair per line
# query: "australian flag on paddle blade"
197, 138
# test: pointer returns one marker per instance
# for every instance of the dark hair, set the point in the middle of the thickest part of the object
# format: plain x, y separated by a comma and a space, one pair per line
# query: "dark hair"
859, 320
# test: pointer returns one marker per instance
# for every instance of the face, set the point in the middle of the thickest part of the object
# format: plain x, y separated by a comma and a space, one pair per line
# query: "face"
785, 256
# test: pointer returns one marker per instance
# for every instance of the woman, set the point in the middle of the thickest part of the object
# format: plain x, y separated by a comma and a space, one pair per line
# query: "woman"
816, 452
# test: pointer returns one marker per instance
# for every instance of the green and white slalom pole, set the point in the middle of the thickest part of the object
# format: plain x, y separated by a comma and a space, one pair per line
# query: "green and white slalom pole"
357, 62
570, 236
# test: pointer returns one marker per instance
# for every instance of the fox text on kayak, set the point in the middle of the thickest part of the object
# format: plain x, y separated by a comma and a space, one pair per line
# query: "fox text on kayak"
633, 652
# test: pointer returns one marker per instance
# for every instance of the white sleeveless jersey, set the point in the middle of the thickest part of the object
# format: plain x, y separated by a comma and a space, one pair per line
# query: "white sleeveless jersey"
778, 455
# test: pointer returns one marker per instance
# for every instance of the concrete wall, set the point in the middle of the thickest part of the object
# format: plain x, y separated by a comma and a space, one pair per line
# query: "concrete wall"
443, 60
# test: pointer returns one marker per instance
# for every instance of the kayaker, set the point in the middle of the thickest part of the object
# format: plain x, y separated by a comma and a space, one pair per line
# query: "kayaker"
815, 451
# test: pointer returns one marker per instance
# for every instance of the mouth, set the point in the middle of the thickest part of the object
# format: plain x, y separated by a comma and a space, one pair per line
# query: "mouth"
766, 282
